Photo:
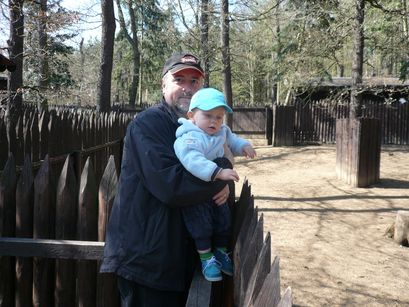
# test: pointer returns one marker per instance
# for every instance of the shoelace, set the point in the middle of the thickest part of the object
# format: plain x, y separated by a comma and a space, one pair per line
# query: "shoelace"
211, 261
225, 255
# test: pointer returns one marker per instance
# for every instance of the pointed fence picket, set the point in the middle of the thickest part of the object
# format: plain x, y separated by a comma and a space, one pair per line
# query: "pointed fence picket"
24, 229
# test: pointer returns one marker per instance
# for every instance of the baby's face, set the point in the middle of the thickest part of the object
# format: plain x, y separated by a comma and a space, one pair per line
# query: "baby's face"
209, 121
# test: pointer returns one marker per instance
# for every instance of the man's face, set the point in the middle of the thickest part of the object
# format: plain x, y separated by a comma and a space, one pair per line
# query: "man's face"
178, 88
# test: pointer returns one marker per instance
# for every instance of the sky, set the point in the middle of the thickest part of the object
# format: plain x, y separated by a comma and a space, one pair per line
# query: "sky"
88, 30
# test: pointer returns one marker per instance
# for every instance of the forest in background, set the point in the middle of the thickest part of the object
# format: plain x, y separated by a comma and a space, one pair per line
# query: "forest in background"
267, 48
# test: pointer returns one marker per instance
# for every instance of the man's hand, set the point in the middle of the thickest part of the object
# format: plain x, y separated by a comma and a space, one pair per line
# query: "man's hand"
221, 197
249, 152
227, 174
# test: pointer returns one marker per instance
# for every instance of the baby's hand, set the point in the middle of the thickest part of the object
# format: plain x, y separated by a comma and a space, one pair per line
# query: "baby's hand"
227, 174
249, 152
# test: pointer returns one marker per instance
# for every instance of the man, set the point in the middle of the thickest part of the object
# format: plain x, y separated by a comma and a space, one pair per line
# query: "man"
147, 245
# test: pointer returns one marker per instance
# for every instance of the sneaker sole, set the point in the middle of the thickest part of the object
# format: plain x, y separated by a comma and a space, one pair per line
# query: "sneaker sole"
213, 278
227, 273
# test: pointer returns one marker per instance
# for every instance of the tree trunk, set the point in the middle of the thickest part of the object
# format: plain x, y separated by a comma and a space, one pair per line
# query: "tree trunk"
16, 49
204, 39
43, 52
15, 80
107, 51
225, 43
134, 42
136, 53
274, 90
133, 91
357, 61
81, 73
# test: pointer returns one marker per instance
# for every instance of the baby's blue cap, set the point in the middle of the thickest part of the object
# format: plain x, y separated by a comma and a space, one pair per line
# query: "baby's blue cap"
207, 99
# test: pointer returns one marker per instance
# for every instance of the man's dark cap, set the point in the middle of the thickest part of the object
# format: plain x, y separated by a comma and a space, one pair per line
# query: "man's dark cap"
180, 61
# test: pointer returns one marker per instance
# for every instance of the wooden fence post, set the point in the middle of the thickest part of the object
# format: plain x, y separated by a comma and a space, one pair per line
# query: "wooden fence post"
107, 291
8, 181
4, 148
44, 228
66, 229
43, 134
260, 272
253, 247
24, 229
35, 138
358, 151
283, 125
87, 231
18, 141
269, 125
270, 291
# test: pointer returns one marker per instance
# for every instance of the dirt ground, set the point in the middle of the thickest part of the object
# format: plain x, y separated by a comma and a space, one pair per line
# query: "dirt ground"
329, 236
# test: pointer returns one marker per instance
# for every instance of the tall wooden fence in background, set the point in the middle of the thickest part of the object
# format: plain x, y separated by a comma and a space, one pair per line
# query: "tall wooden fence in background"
59, 132
315, 122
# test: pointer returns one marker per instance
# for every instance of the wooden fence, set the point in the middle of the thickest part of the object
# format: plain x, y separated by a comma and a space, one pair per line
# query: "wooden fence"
315, 122
63, 131
52, 212
52, 233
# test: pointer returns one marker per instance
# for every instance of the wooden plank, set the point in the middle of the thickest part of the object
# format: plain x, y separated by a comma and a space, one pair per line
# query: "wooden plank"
18, 141
48, 248
44, 228
260, 273
239, 250
24, 229
269, 125
43, 134
239, 211
270, 291
287, 299
4, 148
35, 138
253, 247
8, 181
199, 292
27, 142
107, 290
66, 229
87, 228
362, 144
107, 190
54, 135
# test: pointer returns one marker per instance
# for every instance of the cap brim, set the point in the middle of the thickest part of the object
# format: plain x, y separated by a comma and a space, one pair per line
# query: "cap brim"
213, 106
179, 68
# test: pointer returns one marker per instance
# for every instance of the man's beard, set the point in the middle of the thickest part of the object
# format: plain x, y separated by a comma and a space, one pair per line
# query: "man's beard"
181, 106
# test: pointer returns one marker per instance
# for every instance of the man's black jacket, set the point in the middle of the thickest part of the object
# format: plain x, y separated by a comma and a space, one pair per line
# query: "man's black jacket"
146, 240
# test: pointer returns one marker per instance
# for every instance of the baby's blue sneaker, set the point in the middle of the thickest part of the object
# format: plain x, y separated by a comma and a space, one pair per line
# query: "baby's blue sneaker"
225, 261
211, 269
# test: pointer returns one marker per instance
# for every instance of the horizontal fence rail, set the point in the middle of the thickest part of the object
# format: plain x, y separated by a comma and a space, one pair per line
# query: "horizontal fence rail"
46, 248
